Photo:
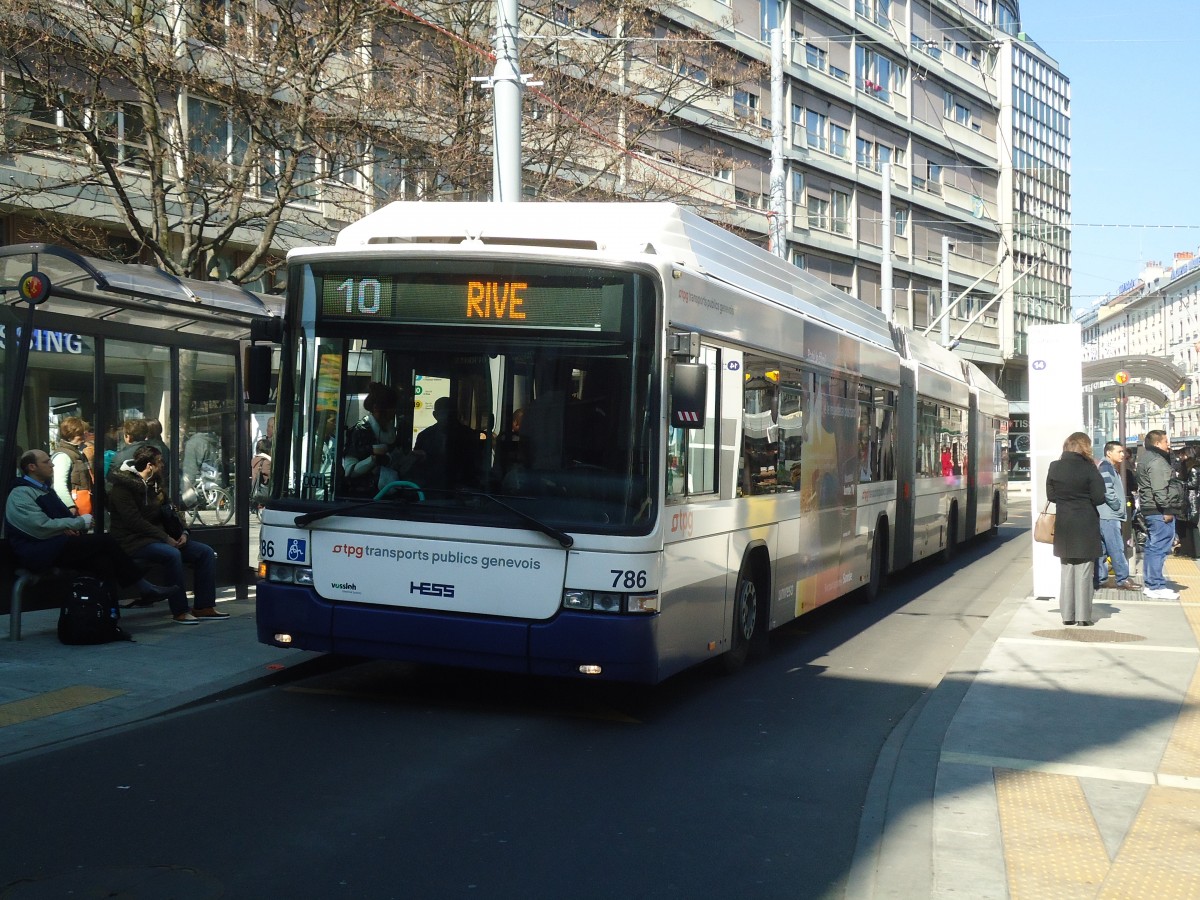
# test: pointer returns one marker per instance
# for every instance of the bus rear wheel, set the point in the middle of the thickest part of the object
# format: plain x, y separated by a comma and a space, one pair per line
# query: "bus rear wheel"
951, 547
748, 630
870, 591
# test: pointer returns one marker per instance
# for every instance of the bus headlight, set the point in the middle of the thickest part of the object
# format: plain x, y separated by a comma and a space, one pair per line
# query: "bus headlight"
610, 602
284, 574
577, 599
604, 601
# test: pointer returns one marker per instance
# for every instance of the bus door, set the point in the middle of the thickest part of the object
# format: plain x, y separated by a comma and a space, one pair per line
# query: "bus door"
906, 443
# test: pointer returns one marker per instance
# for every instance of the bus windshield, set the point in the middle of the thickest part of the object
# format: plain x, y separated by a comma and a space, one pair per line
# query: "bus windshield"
478, 392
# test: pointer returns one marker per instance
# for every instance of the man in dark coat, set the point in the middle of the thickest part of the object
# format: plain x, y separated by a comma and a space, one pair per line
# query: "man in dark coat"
1074, 485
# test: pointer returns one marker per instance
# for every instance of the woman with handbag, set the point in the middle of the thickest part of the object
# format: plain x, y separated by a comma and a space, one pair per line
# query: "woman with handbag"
147, 530
73, 466
1074, 485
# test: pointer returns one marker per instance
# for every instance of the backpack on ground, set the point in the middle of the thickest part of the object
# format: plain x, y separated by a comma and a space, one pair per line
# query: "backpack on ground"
89, 615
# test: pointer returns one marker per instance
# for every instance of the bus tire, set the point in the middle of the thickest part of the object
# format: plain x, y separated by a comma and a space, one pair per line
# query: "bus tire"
749, 628
951, 547
879, 556
994, 529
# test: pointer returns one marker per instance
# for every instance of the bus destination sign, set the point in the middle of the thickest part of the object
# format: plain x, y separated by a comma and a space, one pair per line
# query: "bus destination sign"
568, 302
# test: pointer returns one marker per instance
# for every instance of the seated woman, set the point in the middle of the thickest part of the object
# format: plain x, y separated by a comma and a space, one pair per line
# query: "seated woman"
139, 526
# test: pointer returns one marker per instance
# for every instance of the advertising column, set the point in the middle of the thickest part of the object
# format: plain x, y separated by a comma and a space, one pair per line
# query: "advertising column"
1055, 411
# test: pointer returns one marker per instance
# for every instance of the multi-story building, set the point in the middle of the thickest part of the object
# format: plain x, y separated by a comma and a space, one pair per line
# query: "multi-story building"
1157, 315
969, 117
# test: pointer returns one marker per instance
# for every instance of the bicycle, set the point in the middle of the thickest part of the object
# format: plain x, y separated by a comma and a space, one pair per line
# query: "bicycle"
207, 497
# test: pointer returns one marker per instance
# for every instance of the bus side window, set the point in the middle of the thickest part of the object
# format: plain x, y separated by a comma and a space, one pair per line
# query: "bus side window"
760, 428
692, 453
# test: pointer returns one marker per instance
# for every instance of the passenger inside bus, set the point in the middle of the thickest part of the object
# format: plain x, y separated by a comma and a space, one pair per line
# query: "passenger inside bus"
369, 457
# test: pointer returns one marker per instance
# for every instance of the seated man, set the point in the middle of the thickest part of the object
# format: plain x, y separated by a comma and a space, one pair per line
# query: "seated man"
43, 533
138, 524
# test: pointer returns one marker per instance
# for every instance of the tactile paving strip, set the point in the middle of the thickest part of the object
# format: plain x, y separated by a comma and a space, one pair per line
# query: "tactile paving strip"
1161, 854
53, 702
1182, 756
1052, 846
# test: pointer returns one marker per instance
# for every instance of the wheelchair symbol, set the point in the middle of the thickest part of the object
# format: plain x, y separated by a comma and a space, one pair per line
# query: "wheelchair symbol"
296, 550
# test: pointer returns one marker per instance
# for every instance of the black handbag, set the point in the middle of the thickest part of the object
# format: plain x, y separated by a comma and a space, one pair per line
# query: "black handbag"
171, 522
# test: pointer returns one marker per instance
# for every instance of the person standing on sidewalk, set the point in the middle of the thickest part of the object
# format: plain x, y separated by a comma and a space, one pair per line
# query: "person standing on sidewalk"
1185, 523
1112, 517
1159, 503
1074, 485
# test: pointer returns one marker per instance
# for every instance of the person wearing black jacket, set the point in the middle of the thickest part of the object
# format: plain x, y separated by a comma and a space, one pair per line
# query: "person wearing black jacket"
140, 528
1185, 522
1074, 485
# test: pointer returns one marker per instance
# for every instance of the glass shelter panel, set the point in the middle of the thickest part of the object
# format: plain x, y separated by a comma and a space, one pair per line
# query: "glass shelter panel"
137, 391
208, 428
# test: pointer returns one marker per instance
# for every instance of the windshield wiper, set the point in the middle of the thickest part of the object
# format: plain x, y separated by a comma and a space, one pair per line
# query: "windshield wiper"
311, 517
564, 539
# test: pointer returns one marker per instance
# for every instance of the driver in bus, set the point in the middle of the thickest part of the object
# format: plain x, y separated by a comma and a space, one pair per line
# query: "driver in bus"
448, 453
367, 462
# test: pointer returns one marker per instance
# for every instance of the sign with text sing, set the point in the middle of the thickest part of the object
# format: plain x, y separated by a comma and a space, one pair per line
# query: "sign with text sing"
1055, 412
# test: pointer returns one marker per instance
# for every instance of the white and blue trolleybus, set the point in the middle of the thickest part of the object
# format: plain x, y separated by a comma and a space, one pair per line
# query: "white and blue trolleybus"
625, 441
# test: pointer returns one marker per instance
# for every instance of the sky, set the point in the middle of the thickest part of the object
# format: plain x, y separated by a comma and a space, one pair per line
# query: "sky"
1135, 132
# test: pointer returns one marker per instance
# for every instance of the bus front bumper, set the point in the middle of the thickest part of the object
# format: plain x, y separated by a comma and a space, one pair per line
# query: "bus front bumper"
571, 644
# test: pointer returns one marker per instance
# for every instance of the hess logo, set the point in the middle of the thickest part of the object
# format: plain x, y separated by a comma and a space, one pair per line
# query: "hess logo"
430, 589
681, 523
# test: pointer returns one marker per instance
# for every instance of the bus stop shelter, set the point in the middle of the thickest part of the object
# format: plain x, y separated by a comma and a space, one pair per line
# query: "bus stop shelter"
112, 342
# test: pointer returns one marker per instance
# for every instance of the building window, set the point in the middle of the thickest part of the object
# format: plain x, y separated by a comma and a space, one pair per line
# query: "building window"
797, 199
839, 140
877, 75
815, 127
840, 208
122, 133
818, 213
745, 105
816, 57
877, 11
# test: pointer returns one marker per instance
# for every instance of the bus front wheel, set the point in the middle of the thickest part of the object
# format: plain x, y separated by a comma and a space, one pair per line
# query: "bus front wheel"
749, 630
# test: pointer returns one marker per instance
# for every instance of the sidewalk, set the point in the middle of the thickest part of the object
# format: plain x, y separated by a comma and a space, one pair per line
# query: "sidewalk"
50, 692
1051, 762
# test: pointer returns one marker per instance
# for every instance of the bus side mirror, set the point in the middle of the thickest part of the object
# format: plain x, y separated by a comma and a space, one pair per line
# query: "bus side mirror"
256, 373
689, 390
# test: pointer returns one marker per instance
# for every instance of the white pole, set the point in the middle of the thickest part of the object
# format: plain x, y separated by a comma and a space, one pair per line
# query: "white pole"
887, 299
506, 107
945, 310
778, 199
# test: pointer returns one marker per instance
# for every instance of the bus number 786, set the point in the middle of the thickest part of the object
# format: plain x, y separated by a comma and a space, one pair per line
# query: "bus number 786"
628, 578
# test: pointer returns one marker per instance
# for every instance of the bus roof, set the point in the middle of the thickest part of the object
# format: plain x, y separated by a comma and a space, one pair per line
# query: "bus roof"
619, 230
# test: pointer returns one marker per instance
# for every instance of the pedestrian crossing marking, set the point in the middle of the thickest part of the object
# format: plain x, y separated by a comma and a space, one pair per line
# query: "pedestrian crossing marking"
53, 702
